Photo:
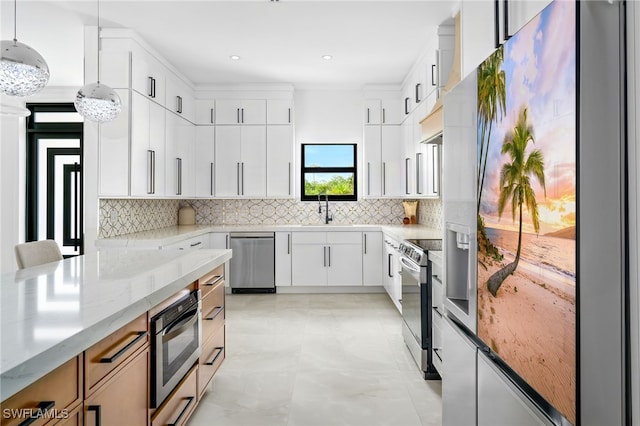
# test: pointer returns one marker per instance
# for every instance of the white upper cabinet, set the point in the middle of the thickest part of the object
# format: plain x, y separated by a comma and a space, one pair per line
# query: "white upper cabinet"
279, 111
372, 111
408, 158
205, 112
391, 154
241, 111
204, 161
148, 77
113, 154
372, 161
179, 99
240, 169
179, 155
280, 162
382, 111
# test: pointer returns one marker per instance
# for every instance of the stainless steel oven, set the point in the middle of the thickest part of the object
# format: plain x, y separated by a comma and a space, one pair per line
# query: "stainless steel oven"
175, 345
417, 303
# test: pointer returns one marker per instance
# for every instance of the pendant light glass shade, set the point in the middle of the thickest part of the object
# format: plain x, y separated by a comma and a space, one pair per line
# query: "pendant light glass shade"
98, 102
23, 71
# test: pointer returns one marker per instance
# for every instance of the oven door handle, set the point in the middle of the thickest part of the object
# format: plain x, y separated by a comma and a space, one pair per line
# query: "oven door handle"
180, 326
409, 265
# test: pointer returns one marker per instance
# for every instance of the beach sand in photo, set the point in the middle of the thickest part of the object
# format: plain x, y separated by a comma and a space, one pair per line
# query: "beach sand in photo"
531, 325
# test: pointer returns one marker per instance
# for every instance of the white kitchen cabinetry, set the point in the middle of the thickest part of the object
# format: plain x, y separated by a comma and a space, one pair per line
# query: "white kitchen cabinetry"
148, 77
283, 259
113, 146
241, 111
327, 258
205, 112
179, 155
204, 161
382, 161
371, 254
382, 111
147, 147
219, 240
240, 153
279, 158
179, 99
392, 281
279, 111
408, 158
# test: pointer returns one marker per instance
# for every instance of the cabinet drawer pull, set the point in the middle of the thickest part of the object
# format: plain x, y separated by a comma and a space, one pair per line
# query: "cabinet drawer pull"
390, 260
218, 309
406, 106
215, 281
438, 352
196, 244
289, 115
437, 311
42, 408
418, 87
219, 350
189, 400
150, 86
140, 335
97, 409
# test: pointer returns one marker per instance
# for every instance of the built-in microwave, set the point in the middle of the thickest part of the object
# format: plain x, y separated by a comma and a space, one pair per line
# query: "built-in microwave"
175, 345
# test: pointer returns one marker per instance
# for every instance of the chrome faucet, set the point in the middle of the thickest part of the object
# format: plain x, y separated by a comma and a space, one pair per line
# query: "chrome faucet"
327, 217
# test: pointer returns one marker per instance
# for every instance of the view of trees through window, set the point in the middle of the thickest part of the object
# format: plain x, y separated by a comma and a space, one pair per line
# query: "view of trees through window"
329, 169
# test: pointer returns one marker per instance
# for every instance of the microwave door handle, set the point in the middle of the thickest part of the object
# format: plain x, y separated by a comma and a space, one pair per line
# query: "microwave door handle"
180, 326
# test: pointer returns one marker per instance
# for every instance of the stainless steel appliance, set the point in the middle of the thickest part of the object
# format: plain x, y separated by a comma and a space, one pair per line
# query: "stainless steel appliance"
253, 263
175, 345
417, 303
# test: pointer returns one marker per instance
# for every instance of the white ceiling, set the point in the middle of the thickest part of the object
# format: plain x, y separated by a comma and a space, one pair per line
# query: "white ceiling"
372, 42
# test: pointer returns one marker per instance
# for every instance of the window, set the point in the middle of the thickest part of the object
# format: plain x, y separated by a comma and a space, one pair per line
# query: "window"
329, 169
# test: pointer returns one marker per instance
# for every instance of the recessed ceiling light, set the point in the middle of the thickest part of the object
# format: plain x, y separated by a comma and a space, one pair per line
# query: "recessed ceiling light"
327, 57
234, 57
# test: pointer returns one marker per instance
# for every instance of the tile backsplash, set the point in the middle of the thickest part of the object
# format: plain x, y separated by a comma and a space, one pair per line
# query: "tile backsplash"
125, 216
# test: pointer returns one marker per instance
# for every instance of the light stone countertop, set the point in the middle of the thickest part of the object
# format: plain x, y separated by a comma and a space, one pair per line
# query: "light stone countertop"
172, 234
51, 313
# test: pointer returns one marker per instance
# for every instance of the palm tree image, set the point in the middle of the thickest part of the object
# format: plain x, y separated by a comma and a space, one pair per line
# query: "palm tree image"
515, 187
491, 102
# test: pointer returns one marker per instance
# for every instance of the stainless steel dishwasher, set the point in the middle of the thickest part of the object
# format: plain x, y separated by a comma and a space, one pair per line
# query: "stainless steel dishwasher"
253, 262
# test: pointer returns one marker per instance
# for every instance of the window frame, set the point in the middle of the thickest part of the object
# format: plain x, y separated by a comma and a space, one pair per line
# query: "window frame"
354, 170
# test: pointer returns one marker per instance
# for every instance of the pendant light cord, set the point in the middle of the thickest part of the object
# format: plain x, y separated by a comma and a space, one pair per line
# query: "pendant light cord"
98, 40
15, 31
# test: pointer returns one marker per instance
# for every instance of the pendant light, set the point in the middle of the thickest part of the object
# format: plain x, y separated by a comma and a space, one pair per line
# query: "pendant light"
23, 71
96, 101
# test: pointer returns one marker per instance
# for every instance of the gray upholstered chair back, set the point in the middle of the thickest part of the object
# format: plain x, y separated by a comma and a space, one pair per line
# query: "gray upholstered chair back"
37, 253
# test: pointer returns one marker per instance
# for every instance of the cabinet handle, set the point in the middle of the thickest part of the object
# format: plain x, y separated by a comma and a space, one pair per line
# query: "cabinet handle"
496, 22
43, 407
211, 166
418, 88
219, 350
418, 173
365, 243
289, 115
227, 241
178, 109
438, 352
368, 116
216, 280
435, 150
505, 20
195, 244
178, 176
289, 178
150, 86
368, 178
149, 171
238, 115
218, 309
329, 256
189, 400
211, 117
437, 311
288, 243
242, 115
242, 174
406, 106
406, 175
238, 178
324, 251
139, 336
97, 409
389, 260
384, 178
384, 117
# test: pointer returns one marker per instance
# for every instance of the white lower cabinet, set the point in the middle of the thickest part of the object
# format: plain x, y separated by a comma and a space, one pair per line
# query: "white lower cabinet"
392, 281
283, 259
371, 255
326, 258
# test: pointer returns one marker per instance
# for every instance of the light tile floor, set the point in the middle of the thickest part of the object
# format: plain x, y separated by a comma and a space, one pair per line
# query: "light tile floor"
317, 359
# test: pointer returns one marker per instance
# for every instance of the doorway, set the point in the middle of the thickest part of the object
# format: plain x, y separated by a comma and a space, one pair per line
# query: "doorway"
54, 185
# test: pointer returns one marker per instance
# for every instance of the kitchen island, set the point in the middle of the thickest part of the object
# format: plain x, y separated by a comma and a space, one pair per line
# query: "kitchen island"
51, 313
